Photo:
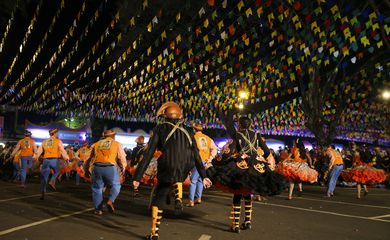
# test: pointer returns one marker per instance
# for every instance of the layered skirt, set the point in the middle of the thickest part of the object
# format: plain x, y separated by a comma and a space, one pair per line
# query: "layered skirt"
364, 174
297, 171
245, 176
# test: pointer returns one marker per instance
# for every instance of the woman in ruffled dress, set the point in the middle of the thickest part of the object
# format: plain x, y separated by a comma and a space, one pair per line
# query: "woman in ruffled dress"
297, 168
362, 171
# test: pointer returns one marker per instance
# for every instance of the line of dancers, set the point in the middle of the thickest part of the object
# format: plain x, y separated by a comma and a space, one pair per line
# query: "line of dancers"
245, 166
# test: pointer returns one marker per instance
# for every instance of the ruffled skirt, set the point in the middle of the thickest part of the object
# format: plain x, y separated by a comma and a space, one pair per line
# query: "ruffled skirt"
240, 176
297, 171
364, 175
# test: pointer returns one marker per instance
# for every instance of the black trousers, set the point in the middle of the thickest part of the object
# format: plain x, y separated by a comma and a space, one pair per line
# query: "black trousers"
237, 198
161, 194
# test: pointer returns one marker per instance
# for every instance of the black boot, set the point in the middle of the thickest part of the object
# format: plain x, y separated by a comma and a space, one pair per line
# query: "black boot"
246, 225
248, 215
235, 229
178, 192
151, 237
178, 207
235, 217
156, 221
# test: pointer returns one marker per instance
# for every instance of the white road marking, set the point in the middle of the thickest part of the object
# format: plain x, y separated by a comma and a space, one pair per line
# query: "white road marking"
204, 237
14, 229
30, 196
313, 210
382, 216
378, 194
338, 202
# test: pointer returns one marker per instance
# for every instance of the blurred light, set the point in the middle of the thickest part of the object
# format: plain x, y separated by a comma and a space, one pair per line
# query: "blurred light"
83, 136
274, 144
308, 145
128, 141
221, 144
243, 94
72, 119
386, 94
39, 133
241, 106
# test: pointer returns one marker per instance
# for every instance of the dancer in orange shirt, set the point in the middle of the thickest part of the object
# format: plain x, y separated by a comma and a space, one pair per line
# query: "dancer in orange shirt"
27, 148
52, 149
106, 163
81, 156
207, 151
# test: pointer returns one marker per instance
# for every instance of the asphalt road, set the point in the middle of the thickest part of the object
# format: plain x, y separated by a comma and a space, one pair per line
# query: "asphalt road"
67, 214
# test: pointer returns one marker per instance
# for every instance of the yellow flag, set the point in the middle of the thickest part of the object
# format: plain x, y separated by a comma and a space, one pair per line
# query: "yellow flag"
220, 25
163, 35
178, 38
240, 5
365, 41
248, 12
206, 23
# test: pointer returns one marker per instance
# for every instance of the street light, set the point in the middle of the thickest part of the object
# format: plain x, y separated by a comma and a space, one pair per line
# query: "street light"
386, 95
243, 94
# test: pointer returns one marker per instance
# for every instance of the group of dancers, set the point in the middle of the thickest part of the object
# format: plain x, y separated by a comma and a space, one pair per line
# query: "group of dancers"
244, 166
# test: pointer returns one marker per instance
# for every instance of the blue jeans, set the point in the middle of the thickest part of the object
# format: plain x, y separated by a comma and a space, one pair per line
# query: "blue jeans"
334, 175
26, 163
196, 186
102, 176
16, 172
48, 164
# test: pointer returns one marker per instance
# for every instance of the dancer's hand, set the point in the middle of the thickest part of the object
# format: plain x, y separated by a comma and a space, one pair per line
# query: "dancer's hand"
135, 184
207, 183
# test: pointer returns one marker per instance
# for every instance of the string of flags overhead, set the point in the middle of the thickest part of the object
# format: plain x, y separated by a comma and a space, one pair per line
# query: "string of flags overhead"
201, 55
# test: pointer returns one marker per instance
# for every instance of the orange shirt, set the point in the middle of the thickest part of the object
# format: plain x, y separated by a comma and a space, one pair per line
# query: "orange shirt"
106, 151
205, 146
27, 147
336, 156
52, 148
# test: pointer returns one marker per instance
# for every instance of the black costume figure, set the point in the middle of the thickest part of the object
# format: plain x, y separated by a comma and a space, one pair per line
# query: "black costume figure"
241, 169
179, 155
